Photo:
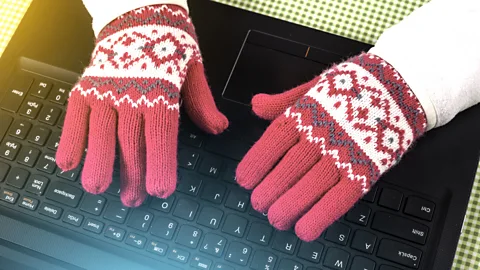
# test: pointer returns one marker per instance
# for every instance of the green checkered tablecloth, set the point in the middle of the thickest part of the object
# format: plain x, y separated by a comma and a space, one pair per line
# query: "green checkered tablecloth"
365, 20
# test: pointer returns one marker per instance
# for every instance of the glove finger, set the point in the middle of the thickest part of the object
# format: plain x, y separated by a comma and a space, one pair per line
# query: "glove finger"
279, 137
74, 135
303, 195
98, 169
199, 102
131, 139
296, 163
161, 131
270, 107
336, 202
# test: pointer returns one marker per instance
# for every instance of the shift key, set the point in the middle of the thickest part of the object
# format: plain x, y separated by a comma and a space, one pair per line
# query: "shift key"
15, 94
64, 194
400, 227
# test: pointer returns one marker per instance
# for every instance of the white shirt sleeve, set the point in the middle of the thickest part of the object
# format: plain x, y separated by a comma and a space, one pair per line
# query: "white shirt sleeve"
436, 49
105, 11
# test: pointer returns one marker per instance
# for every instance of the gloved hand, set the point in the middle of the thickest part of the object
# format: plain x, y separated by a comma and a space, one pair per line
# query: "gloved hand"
358, 118
143, 63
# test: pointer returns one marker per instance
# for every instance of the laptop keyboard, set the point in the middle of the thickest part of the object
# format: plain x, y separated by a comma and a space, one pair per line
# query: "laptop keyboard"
208, 222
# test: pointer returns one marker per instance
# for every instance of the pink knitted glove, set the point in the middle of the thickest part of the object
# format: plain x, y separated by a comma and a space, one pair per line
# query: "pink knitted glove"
143, 62
319, 157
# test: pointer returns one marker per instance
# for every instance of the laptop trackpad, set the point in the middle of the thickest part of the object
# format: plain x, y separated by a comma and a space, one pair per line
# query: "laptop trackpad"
270, 64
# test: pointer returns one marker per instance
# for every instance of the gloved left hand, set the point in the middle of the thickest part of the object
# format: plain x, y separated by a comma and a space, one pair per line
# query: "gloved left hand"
143, 63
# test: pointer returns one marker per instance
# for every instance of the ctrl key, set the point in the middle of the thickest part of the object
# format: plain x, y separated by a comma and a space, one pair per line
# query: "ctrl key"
178, 255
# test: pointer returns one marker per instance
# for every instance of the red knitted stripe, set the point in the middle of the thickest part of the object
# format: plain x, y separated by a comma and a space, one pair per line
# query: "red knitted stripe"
166, 15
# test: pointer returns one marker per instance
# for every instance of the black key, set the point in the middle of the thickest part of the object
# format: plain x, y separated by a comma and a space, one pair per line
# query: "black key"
93, 204
114, 233
238, 253
61, 120
222, 266
46, 163
6, 120
59, 95
263, 260
420, 208
213, 244
164, 228
187, 159
28, 203
364, 241
221, 145
136, 240
39, 135
114, 188
9, 149
257, 214
210, 166
157, 248
390, 199
338, 233
28, 156
235, 225
40, 89
37, 184
4, 168
73, 219
140, 220
30, 109
49, 115
190, 138
17, 177
186, 209
189, 184
164, 205
336, 259
388, 267
54, 141
68, 175
213, 192
93, 225
400, 227
201, 263
362, 263
359, 214
371, 195
237, 200
210, 217
400, 253
285, 242
116, 212
20, 129
16, 93
178, 255
230, 172
287, 264
188, 236
260, 233
64, 194
310, 251
51, 211
9, 196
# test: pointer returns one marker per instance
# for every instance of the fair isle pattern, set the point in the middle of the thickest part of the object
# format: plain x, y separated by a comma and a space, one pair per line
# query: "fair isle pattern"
356, 121
142, 63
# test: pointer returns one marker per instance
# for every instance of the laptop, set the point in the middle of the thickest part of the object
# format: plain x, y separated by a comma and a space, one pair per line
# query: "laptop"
410, 220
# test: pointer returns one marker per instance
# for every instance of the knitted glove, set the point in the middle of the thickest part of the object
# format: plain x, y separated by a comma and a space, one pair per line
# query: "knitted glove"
357, 119
143, 62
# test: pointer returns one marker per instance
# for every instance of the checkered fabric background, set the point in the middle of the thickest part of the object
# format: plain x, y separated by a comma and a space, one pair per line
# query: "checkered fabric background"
362, 20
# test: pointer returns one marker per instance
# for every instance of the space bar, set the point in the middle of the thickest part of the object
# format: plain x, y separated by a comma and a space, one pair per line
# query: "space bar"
61, 248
